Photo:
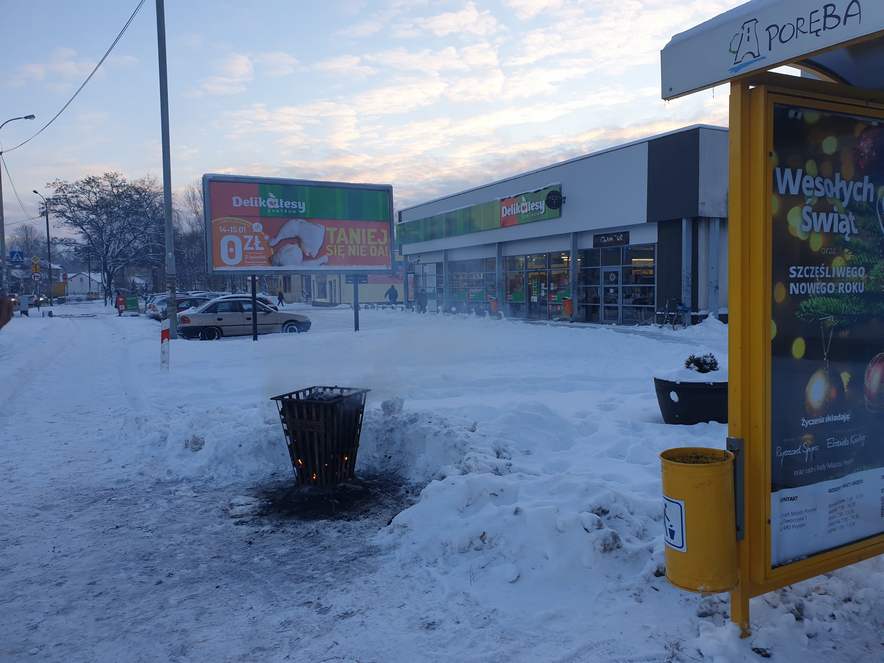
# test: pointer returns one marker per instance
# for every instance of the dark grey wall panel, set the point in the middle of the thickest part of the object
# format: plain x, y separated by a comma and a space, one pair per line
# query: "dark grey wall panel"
674, 176
668, 262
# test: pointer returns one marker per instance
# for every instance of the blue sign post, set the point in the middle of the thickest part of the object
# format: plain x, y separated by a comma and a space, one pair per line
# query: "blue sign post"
16, 256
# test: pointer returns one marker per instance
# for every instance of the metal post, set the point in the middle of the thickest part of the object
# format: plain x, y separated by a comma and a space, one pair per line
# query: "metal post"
254, 307
2, 220
714, 261
687, 252
48, 249
445, 281
572, 277
498, 277
356, 304
2, 242
172, 306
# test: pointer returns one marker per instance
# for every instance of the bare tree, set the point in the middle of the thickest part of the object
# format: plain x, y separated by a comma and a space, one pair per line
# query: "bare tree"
118, 222
30, 241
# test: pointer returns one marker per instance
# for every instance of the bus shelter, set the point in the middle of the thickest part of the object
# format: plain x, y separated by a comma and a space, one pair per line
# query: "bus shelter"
806, 261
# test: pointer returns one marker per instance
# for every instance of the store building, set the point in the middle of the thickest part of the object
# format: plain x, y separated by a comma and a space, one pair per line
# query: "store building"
632, 230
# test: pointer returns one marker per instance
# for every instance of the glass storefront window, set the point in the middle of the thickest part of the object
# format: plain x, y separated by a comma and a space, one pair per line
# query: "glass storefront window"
589, 276
559, 260
638, 295
638, 275
515, 263
589, 258
515, 287
638, 255
537, 261
559, 285
590, 296
611, 257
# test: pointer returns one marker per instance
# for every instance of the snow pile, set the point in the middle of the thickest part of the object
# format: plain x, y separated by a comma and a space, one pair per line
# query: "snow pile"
536, 448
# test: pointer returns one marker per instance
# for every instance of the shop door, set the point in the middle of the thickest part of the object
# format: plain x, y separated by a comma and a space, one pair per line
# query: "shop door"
611, 295
537, 296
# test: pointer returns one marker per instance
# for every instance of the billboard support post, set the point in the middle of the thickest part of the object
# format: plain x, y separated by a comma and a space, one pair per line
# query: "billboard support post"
254, 307
356, 305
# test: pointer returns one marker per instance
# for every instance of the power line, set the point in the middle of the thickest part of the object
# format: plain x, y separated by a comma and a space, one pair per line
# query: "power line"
88, 78
12, 182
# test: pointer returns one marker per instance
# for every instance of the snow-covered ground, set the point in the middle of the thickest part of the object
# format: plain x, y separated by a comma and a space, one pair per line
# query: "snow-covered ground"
511, 509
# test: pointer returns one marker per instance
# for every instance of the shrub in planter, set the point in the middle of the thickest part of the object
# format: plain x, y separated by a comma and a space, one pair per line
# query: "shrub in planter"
695, 393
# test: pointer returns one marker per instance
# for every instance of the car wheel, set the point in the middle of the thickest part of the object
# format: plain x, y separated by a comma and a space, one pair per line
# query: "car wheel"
291, 328
210, 334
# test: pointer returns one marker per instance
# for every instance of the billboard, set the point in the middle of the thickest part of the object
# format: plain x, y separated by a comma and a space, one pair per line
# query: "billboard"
827, 332
259, 225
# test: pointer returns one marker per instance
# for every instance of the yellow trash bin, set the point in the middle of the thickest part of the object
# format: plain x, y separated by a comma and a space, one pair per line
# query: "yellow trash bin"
698, 519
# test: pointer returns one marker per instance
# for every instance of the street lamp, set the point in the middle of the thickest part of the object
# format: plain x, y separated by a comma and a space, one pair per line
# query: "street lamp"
48, 244
2, 226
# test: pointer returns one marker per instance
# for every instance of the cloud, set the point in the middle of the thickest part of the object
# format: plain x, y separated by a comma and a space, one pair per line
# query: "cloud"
527, 9
469, 20
238, 70
275, 63
234, 75
347, 65
61, 69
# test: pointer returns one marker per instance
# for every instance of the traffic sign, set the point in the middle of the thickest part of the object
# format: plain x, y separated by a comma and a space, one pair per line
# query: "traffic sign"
16, 256
35, 260
35, 267
37, 276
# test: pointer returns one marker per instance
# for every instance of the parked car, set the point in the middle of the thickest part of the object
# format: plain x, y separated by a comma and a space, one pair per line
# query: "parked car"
232, 316
264, 299
158, 308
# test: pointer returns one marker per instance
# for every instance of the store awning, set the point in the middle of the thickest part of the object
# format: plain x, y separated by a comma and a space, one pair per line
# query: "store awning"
842, 40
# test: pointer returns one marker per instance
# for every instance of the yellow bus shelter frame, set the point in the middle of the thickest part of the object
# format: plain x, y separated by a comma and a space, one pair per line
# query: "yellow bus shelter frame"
750, 246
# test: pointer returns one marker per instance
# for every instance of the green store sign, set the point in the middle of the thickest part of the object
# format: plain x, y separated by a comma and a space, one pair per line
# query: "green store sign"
314, 202
539, 205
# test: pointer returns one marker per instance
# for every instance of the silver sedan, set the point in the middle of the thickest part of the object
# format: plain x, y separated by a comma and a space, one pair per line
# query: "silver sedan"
232, 316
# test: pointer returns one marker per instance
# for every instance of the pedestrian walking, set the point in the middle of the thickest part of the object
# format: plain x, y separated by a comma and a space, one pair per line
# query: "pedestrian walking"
392, 295
421, 301
280, 300
120, 303
24, 301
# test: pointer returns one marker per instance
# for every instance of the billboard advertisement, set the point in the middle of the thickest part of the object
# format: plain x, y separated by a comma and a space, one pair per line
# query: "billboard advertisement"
527, 207
827, 331
259, 225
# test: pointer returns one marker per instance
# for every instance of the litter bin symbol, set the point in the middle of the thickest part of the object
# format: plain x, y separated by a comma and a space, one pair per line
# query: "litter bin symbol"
673, 521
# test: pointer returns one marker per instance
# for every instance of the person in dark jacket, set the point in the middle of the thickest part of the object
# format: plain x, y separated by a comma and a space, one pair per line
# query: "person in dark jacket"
421, 301
392, 295
280, 300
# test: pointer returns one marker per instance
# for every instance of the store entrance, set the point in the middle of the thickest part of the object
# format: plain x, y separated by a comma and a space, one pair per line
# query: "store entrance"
611, 295
537, 295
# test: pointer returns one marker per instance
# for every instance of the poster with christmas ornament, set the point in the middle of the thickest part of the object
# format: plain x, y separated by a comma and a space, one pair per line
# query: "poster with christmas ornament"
827, 331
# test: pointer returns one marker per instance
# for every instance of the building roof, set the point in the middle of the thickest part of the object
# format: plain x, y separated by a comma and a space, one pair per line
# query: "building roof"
590, 155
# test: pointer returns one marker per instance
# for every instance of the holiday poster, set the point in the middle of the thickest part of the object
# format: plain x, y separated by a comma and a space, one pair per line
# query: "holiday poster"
827, 331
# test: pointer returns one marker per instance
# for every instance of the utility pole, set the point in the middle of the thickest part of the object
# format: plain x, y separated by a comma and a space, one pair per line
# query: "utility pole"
48, 243
171, 306
2, 222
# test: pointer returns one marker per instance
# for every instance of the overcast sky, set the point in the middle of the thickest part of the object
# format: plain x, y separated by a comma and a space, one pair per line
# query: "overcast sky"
432, 97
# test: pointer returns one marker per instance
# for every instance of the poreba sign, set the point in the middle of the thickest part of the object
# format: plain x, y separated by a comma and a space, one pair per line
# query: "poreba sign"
761, 36
272, 225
